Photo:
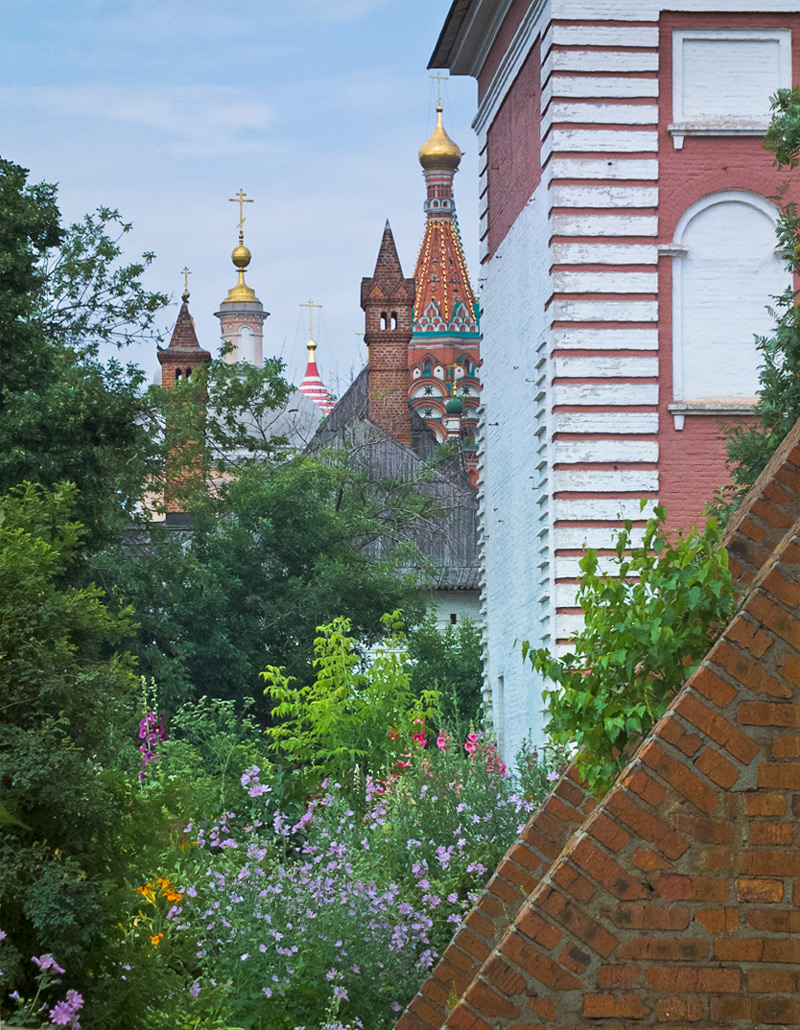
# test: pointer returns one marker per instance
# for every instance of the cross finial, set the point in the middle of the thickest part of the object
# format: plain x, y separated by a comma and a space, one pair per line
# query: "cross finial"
310, 305
439, 80
186, 274
241, 201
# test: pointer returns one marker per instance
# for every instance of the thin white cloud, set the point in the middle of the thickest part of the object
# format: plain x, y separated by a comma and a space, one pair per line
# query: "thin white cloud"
199, 120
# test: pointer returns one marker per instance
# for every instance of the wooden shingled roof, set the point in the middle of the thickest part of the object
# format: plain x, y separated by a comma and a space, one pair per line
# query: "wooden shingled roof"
675, 900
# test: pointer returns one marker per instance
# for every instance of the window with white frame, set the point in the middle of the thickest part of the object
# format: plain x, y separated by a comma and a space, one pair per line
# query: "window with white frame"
245, 345
722, 80
725, 272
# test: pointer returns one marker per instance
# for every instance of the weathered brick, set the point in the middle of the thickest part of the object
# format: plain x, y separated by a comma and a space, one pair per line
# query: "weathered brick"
472, 945
679, 777
637, 780
664, 949
567, 877
679, 886
751, 674
771, 833
718, 920
715, 859
774, 920
787, 745
752, 890
647, 860
722, 732
568, 913
674, 1010
605, 870
775, 618
489, 1003
712, 686
718, 769
786, 590
575, 959
779, 775
480, 925
544, 1008
768, 713
501, 976
675, 733
463, 1018
626, 975
749, 636
764, 804
650, 916
537, 965
725, 1011
606, 831
524, 856
534, 927
701, 828
645, 824
777, 1010
619, 1006
772, 981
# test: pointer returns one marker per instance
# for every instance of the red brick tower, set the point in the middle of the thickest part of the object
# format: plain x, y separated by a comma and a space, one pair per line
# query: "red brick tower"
178, 362
445, 346
388, 302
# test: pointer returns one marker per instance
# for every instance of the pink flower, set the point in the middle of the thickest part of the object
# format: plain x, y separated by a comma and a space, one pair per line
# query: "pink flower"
441, 741
393, 734
420, 738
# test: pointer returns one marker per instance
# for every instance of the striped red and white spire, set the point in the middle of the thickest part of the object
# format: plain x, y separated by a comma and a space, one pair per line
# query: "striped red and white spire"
312, 386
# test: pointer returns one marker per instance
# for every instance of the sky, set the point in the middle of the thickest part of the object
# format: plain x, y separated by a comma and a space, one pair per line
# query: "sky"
164, 109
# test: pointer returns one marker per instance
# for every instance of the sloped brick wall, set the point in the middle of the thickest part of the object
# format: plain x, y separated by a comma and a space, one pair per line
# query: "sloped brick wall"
675, 900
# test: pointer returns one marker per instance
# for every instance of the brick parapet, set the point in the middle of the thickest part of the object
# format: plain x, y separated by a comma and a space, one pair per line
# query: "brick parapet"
765, 514
675, 901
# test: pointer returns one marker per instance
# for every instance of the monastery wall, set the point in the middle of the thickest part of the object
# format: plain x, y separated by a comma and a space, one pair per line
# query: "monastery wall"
628, 252
514, 490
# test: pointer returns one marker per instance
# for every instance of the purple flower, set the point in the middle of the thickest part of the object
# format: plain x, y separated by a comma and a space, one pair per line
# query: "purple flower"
340, 994
194, 990
61, 1014
46, 962
553, 775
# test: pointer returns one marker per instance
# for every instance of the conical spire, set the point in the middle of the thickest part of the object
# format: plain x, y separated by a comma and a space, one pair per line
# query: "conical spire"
387, 266
184, 336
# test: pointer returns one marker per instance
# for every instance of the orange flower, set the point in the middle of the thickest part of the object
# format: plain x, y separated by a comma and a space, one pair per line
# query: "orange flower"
154, 940
147, 892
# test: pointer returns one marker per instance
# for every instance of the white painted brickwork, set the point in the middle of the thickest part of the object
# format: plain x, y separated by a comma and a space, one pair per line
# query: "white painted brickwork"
572, 474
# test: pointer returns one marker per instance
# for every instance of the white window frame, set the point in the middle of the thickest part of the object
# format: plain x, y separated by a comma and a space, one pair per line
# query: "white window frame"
683, 125
680, 408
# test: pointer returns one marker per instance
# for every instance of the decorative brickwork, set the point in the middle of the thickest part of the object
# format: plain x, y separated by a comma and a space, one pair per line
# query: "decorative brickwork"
388, 302
675, 900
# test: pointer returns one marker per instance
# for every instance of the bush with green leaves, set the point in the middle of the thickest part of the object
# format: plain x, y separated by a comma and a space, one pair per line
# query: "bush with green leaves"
449, 661
647, 623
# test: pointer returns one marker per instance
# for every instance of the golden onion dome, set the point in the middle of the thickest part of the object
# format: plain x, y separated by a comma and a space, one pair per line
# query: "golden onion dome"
439, 151
240, 256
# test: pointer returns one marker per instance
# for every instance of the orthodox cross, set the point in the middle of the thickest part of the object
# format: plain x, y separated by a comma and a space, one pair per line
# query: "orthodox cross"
310, 305
439, 80
241, 201
455, 383
186, 274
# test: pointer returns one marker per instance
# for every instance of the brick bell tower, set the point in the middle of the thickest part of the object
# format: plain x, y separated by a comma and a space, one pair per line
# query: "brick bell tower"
241, 315
387, 300
178, 361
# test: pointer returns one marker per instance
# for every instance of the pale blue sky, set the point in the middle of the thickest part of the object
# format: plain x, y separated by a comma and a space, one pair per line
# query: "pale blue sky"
316, 108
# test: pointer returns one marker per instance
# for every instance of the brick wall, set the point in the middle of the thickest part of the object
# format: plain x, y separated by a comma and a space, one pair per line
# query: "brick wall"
674, 901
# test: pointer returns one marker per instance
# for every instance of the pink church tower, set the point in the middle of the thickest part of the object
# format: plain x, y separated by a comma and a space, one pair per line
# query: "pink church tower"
241, 314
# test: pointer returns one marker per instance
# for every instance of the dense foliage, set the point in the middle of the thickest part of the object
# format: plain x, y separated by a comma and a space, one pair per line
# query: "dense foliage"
648, 621
750, 447
450, 662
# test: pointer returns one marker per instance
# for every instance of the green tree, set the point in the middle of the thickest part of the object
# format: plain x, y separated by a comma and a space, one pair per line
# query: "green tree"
272, 555
64, 414
647, 624
64, 687
449, 661
750, 447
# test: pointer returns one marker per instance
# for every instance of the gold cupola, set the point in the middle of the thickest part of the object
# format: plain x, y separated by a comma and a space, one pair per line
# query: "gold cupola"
439, 152
240, 256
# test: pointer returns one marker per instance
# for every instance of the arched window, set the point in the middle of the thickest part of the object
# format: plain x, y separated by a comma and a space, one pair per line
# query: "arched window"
725, 271
427, 367
394, 320
178, 374
245, 345
383, 319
